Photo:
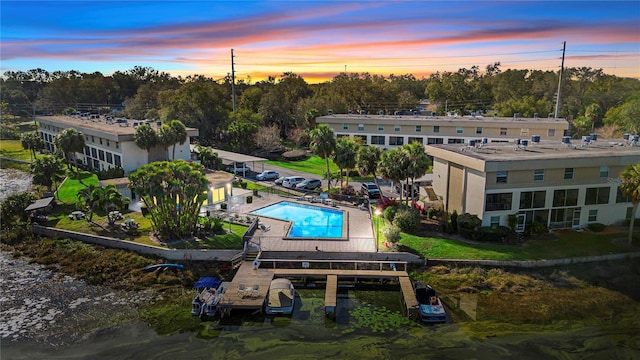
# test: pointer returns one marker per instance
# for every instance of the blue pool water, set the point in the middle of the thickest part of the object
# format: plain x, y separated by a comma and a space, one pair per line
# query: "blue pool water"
308, 221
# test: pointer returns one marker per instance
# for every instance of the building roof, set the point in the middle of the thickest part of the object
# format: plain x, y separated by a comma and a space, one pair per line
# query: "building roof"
477, 120
544, 150
229, 157
102, 125
40, 204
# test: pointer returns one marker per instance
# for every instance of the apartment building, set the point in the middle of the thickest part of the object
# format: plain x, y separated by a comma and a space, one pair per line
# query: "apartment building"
389, 131
109, 142
562, 184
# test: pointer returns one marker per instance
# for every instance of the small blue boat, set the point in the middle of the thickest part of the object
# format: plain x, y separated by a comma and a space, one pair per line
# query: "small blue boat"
163, 266
430, 305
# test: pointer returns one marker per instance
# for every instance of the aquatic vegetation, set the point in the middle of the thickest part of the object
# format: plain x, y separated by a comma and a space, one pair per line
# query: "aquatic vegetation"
377, 319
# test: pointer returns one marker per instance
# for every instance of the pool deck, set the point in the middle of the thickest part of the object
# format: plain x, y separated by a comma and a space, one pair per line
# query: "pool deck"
359, 233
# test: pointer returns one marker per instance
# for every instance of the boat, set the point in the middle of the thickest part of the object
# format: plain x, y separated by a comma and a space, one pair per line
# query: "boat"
209, 293
163, 266
280, 298
430, 305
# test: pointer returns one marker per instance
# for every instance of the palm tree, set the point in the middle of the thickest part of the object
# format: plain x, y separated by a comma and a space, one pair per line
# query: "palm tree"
96, 198
165, 138
179, 135
367, 161
345, 156
70, 141
145, 137
418, 162
394, 166
630, 187
47, 170
32, 141
323, 144
89, 197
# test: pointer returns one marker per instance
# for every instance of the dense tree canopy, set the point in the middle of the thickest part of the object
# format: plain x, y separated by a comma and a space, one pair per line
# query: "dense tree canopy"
173, 192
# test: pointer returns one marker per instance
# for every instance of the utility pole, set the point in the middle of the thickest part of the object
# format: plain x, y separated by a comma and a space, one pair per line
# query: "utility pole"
233, 83
564, 47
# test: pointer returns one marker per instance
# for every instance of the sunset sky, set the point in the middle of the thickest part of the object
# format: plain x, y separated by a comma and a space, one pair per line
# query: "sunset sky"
318, 39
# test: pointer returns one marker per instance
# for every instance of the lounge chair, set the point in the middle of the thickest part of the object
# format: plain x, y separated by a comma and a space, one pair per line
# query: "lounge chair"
264, 227
255, 289
242, 290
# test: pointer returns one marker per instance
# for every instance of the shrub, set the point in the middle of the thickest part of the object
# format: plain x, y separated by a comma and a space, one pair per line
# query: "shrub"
349, 191
390, 213
249, 199
391, 233
432, 213
493, 233
538, 227
407, 219
468, 225
596, 227
454, 219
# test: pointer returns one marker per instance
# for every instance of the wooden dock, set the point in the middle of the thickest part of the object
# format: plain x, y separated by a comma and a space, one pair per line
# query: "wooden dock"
330, 296
239, 294
409, 296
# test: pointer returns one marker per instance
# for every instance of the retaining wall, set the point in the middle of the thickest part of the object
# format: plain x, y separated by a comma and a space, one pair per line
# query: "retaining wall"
169, 254
536, 263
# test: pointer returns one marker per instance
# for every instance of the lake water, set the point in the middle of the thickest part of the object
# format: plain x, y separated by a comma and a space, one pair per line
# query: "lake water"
368, 326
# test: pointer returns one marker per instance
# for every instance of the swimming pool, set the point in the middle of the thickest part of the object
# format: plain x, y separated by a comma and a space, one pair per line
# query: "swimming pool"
308, 221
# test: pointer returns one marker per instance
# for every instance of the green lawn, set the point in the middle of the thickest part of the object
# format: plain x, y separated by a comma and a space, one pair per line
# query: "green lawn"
568, 244
13, 149
313, 165
68, 192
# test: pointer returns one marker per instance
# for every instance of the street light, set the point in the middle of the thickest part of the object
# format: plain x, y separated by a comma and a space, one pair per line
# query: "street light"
377, 213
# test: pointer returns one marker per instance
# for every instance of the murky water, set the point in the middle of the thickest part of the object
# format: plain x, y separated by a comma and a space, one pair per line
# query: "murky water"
13, 181
380, 332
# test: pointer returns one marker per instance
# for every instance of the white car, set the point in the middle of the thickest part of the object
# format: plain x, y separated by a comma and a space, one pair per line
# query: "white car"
292, 181
268, 175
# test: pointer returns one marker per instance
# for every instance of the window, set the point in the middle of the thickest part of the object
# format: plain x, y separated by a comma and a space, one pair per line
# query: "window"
109, 158
459, 130
87, 151
551, 132
117, 145
565, 197
363, 137
436, 129
93, 139
503, 131
538, 175
380, 127
415, 139
479, 130
621, 197
108, 143
532, 199
496, 202
418, 128
604, 171
432, 141
345, 126
94, 153
495, 221
396, 140
593, 215
117, 161
599, 195
396, 128
360, 127
100, 141
101, 155
568, 173
501, 177
338, 136
455, 141
377, 140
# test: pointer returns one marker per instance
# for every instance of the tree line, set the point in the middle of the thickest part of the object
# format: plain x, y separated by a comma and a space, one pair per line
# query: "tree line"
285, 107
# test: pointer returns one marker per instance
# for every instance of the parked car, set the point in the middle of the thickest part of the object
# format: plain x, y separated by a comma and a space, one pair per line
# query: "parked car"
292, 181
76, 215
268, 175
309, 184
279, 180
407, 189
371, 190
238, 168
